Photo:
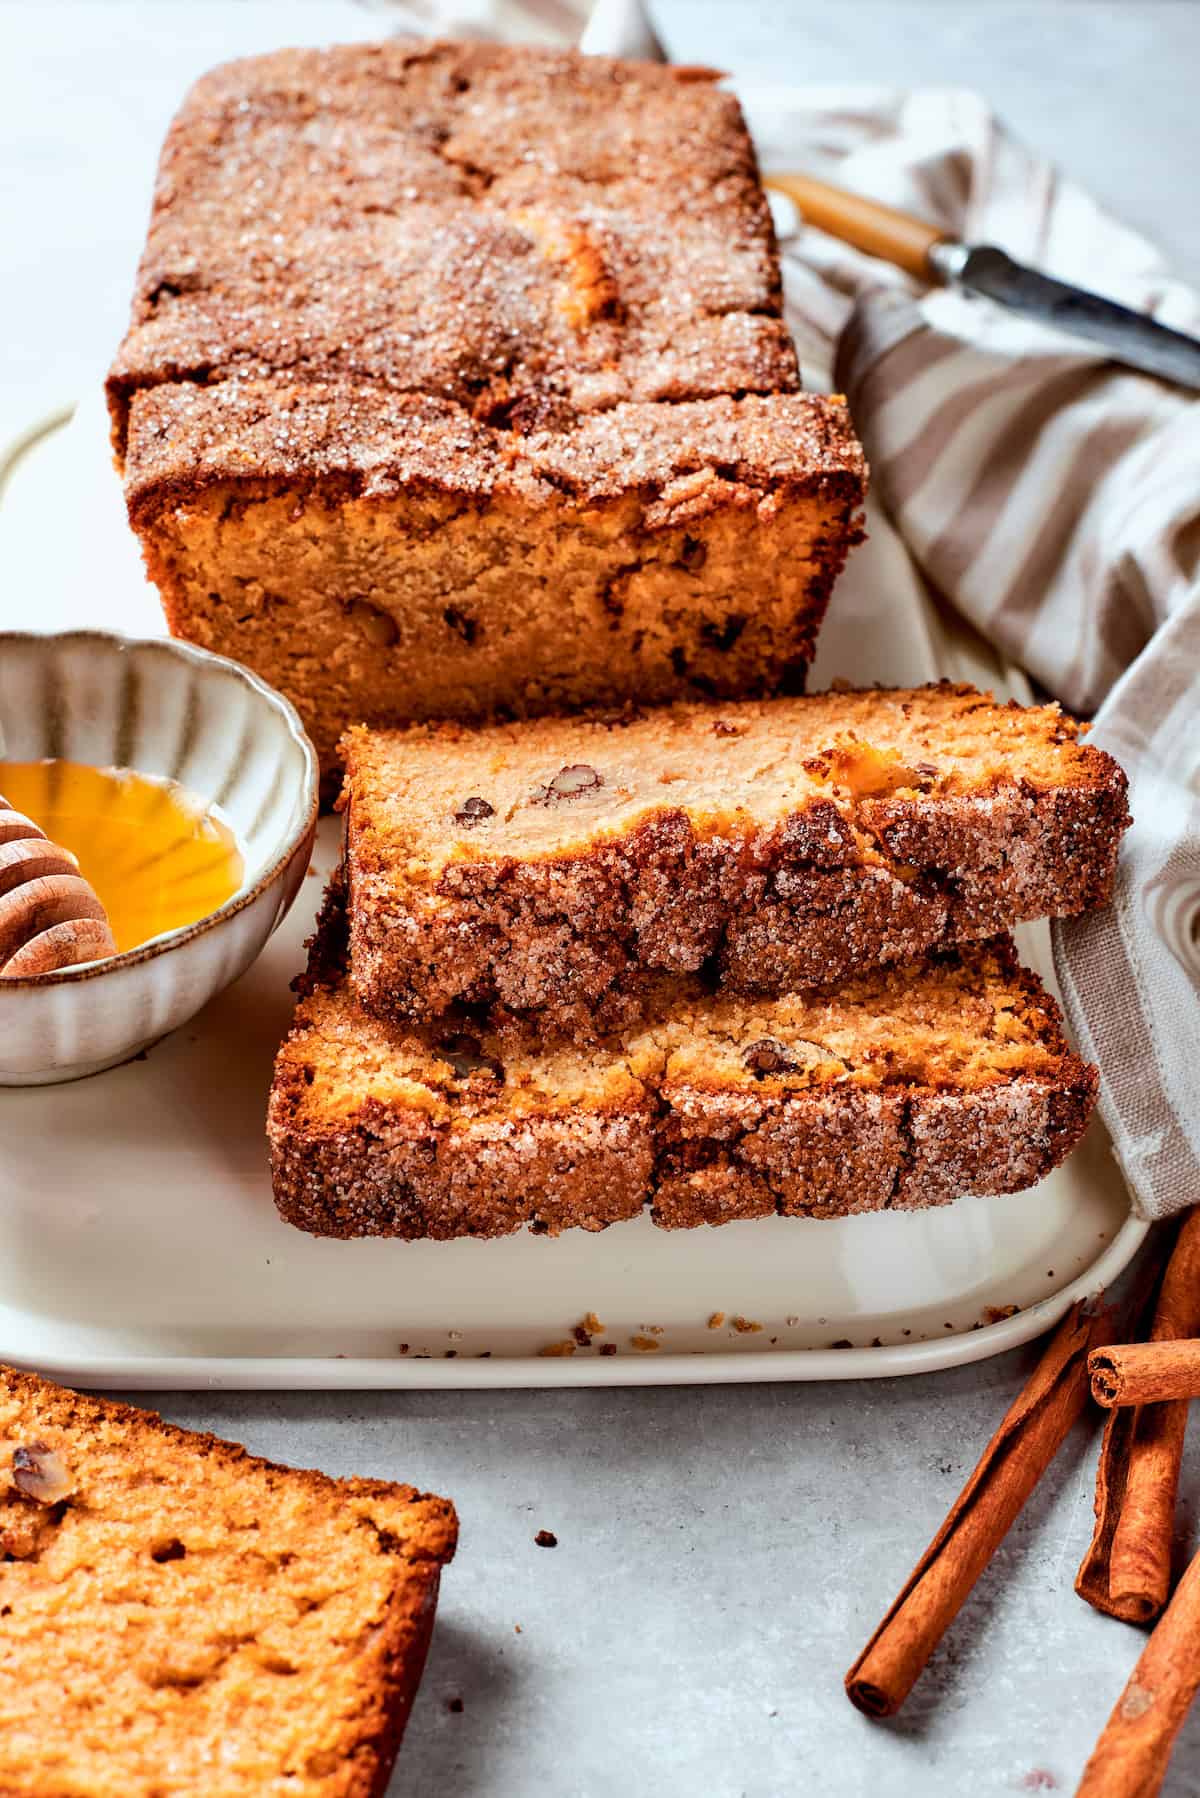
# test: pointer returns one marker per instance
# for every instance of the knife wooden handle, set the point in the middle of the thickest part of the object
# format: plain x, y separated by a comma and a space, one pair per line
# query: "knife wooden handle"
878, 230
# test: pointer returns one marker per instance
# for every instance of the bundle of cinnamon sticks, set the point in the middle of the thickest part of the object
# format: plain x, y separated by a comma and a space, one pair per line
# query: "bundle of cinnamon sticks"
1145, 1386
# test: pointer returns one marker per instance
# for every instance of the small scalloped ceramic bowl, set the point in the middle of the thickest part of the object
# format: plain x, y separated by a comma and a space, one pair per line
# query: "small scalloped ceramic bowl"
166, 709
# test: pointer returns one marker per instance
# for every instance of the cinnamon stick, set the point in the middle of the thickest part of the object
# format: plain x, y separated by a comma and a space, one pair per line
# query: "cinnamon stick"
1145, 1373
1012, 1463
1126, 1571
1130, 1759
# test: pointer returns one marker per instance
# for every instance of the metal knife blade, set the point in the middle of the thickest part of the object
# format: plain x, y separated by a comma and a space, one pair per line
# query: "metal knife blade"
1130, 336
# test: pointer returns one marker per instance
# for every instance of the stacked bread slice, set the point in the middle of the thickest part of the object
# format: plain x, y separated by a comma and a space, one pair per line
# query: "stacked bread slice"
721, 960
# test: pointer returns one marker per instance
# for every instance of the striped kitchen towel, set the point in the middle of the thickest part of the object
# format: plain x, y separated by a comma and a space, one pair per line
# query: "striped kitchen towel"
1050, 496
1054, 498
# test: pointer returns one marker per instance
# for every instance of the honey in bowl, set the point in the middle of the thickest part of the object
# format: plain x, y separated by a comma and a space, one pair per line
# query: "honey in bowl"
157, 857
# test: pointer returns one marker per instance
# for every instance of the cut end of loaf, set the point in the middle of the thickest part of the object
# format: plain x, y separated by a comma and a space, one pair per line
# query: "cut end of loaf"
419, 589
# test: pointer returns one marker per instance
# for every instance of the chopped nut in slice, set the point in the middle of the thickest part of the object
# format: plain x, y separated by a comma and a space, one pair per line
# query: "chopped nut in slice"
467, 1057
567, 783
379, 628
766, 1057
473, 811
40, 1473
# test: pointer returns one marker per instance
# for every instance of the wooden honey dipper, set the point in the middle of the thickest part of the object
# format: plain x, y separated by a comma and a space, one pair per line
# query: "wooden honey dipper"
50, 918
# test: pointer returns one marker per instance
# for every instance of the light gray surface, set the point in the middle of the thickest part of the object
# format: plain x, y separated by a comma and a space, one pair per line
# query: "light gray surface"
722, 1555
722, 1552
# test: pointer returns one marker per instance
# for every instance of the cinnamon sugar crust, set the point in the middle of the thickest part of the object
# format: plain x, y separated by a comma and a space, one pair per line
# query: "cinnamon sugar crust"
489, 226
347, 440
897, 1090
548, 868
457, 385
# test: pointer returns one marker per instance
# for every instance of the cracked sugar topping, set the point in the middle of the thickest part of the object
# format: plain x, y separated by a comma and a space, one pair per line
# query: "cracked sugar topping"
355, 439
523, 240
502, 228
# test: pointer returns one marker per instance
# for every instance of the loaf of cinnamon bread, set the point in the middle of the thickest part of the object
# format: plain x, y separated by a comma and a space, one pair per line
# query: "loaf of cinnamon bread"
899, 1088
457, 383
547, 866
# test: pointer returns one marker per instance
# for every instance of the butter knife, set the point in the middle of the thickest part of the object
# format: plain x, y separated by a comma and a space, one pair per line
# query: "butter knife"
927, 253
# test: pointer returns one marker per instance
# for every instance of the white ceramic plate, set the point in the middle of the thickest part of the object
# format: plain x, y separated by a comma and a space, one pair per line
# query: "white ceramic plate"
139, 1245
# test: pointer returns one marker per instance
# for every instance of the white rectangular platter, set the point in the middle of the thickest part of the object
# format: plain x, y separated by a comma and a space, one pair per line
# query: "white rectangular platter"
139, 1245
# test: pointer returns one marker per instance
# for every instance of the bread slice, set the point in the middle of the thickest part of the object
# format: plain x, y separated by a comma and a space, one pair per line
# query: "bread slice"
900, 1088
543, 866
181, 1617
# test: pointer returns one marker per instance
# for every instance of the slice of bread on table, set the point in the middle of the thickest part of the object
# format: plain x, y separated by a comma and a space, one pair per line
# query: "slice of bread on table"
182, 1617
